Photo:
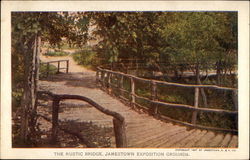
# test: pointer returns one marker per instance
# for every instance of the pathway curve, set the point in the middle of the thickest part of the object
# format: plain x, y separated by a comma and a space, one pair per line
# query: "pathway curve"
142, 130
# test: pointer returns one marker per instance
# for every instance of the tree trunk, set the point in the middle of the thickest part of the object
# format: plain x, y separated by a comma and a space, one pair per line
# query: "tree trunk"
25, 103
31, 73
36, 63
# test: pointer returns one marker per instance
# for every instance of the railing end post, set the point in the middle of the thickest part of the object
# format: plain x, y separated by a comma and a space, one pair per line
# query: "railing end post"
120, 133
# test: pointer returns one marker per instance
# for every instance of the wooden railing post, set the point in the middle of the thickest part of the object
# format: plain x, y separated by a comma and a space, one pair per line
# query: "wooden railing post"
47, 70
58, 66
154, 107
109, 83
102, 79
67, 68
196, 103
132, 92
121, 86
120, 133
235, 101
55, 110
97, 76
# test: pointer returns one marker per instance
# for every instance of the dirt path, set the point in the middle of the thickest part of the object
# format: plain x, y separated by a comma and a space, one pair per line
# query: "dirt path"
73, 66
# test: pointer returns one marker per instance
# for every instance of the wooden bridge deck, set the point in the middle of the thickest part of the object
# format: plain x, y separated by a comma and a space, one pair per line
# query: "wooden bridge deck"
142, 130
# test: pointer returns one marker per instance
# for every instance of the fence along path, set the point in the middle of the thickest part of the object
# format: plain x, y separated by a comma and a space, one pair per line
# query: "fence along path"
142, 130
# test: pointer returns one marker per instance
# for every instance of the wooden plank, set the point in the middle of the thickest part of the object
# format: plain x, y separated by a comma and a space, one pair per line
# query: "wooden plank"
155, 140
202, 142
195, 139
216, 141
142, 125
146, 129
170, 141
197, 126
139, 141
188, 138
234, 142
225, 140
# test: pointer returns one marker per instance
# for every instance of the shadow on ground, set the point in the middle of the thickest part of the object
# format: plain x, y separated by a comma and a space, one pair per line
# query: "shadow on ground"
71, 135
79, 79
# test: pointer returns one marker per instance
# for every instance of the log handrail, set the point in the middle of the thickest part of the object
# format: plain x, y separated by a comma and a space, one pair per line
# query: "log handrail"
118, 119
155, 102
184, 106
168, 83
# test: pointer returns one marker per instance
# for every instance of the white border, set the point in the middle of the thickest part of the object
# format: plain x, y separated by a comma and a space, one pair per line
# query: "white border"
243, 18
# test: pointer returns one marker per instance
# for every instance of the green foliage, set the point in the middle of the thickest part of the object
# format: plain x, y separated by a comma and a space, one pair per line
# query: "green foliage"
180, 40
56, 53
16, 98
200, 37
86, 58
125, 34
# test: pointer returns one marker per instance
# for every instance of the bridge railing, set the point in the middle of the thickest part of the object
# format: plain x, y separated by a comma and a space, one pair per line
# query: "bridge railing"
58, 66
118, 119
104, 76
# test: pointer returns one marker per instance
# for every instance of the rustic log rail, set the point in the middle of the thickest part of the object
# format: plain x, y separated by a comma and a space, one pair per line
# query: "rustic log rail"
118, 119
103, 77
58, 66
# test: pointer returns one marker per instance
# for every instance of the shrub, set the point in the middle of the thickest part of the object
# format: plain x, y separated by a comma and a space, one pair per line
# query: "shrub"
86, 58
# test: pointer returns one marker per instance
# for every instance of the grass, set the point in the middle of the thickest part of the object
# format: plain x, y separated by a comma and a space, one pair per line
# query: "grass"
56, 53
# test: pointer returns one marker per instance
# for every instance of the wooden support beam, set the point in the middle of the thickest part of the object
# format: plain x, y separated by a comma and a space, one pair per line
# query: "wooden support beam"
132, 91
154, 107
109, 86
67, 68
55, 112
47, 69
196, 104
235, 101
97, 77
103, 79
121, 86
58, 66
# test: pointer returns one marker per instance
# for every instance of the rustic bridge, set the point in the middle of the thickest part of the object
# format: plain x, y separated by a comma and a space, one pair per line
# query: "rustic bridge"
142, 126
